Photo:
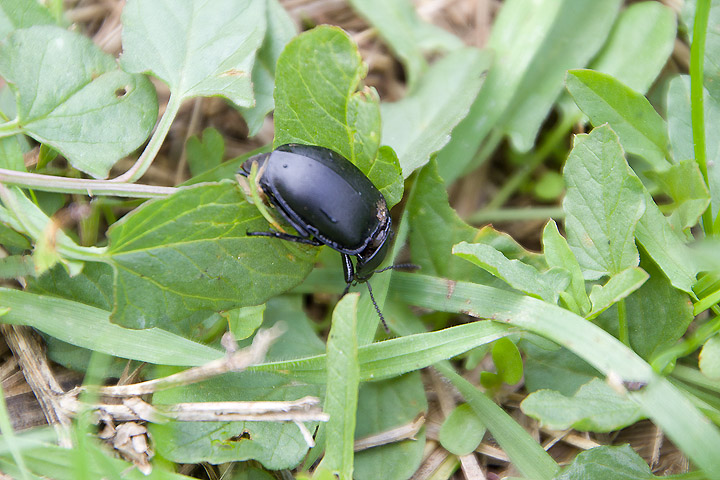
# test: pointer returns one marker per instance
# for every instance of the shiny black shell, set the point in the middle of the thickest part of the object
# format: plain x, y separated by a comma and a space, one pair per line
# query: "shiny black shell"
325, 197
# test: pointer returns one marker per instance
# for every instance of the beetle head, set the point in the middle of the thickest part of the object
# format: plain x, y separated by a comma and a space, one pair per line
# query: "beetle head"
370, 259
260, 159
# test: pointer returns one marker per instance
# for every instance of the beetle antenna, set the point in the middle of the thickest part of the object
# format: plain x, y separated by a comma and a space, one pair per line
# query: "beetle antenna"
377, 309
405, 266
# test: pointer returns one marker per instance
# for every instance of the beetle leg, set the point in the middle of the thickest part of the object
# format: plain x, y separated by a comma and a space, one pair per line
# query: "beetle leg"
348, 269
286, 236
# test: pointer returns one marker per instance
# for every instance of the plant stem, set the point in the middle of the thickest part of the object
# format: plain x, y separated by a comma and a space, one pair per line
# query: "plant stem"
697, 58
623, 333
50, 183
10, 128
156, 141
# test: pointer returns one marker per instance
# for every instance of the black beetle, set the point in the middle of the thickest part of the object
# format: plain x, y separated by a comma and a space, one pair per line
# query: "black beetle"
328, 201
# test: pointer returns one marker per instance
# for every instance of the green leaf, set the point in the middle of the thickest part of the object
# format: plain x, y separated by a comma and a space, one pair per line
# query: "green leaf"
317, 102
93, 286
555, 369
390, 358
462, 431
665, 246
527, 456
188, 254
196, 48
684, 183
536, 43
429, 213
558, 254
710, 358
658, 314
60, 463
205, 154
641, 130
600, 463
71, 96
280, 30
244, 321
275, 445
382, 406
617, 287
407, 35
420, 124
507, 360
90, 327
663, 403
386, 170
639, 45
604, 202
595, 407
680, 129
11, 156
517, 274
341, 393
17, 14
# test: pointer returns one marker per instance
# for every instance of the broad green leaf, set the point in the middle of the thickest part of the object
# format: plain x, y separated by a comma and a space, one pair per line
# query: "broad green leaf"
407, 35
275, 445
663, 403
665, 246
341, 392
71, 96
601, 463
11, 155
556, 369
535, 43
558, 254
639, 45
595, 407
420, 124
507, 360
680, 130
684, 183
14, 266
197, 48
244, 321
385, 171
206, 153
90, 327
678, 118
280, 30
515, 273
188, 254
617, 287
462, 431
317, 101
93, 286
16, 14
604, 202
430, 213
382, 406
641, 130
658, 314
710, 358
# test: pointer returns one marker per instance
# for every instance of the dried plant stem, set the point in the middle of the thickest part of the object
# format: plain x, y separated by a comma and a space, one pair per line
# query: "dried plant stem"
35, 367
234, 362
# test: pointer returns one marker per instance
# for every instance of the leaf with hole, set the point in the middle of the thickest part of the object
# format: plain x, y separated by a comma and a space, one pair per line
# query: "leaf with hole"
71, 96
